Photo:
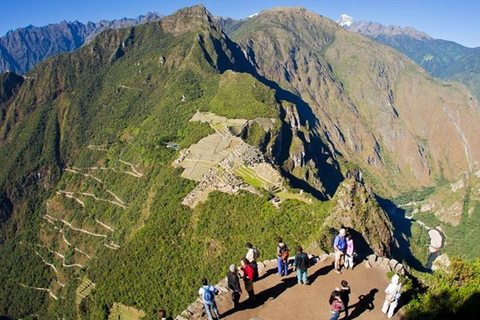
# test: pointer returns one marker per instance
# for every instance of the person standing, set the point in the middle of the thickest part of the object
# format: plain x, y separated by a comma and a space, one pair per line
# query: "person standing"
349, 252
234, 285
392, 296
345, 296
208, 293
339, 246
282, 257
248, 279
301, 264
252, 255
336, 304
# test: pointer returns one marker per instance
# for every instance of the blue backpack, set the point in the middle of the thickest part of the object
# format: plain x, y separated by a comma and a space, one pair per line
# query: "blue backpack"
208, 295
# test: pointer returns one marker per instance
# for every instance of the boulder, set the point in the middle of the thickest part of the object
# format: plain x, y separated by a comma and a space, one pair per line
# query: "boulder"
393, 263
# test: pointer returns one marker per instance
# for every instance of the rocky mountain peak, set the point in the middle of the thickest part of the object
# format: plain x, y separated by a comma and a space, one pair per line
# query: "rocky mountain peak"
375, 29
357, 209
187, 19
345, 20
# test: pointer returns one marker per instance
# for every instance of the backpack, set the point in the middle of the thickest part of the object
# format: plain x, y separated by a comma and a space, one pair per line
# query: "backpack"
208, 295
284, 252
256, 253
332, 241
302, 262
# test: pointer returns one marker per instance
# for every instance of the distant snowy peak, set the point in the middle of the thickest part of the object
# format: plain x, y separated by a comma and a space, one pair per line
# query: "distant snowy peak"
345, 20
373, 29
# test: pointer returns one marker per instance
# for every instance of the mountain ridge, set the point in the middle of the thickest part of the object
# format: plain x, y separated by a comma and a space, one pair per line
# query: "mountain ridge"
89, 187
23, 48
443, 59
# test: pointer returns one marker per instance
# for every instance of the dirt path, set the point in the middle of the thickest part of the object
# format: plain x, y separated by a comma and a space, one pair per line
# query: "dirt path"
282, 298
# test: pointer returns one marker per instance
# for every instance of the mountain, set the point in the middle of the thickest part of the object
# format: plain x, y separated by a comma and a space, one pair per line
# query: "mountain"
146, 159
443, 59
360, 97
98, 205
24, 48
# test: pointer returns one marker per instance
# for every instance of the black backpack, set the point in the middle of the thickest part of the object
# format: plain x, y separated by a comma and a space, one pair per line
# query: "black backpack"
302, 261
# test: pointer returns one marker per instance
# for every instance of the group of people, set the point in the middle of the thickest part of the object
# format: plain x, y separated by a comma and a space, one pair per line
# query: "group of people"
248, 271
343, 247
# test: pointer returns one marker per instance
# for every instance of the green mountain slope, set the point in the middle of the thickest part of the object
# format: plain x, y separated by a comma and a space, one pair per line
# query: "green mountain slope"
363, 99
443, 59
145, 160
91, 198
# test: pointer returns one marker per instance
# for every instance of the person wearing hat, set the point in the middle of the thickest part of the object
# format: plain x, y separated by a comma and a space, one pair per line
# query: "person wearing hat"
252, 255
392, 296
234, 285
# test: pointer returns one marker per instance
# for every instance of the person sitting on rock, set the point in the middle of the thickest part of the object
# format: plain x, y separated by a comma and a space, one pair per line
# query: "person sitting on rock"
234, 285
339, 246
392, 296
349, 252
208, 293
248, 279
301, 264
252, 255
282, 257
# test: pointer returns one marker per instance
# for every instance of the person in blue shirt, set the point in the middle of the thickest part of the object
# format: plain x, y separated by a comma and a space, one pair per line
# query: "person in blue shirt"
208, 294
339, 246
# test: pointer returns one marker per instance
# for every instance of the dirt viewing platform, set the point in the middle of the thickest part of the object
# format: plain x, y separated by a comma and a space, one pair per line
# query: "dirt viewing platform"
282, 298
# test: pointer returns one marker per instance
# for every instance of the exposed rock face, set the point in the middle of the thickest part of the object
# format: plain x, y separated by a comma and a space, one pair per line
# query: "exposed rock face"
362, 100
24, 48
356, 208
374, 29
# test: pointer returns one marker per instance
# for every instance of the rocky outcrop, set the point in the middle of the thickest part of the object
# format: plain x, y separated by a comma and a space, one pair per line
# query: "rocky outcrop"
356, 208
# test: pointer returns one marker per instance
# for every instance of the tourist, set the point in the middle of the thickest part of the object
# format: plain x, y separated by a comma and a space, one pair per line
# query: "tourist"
301, 264
208, 293
339, 246
161, 315
336, 304
252, 255
248, 278
349, 253
345, 296
282, 257
392, 295
234, 285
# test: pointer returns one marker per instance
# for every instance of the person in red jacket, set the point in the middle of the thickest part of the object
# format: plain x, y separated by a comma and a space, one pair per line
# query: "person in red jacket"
336, 304
248, 274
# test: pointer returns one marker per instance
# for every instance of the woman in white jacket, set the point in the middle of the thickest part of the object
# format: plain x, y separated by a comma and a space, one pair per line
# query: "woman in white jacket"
392, 296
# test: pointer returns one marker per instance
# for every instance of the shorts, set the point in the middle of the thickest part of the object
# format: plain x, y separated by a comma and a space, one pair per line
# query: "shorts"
338, 254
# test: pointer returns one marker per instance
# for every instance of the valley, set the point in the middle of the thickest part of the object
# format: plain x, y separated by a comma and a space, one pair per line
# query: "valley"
146, 159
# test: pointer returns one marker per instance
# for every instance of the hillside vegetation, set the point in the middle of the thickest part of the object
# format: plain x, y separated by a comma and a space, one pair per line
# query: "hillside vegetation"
91, 211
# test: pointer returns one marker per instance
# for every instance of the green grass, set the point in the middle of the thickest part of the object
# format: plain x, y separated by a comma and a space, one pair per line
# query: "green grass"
294, 196
121, 312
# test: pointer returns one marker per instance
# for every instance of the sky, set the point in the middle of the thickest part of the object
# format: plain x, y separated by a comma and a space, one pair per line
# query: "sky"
456, 20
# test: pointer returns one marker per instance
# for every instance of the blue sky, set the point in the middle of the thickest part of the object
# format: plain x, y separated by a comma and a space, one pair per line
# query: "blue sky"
456, 20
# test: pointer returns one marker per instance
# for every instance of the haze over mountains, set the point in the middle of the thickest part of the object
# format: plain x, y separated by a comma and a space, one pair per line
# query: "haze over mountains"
153, 153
